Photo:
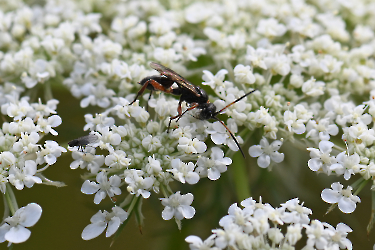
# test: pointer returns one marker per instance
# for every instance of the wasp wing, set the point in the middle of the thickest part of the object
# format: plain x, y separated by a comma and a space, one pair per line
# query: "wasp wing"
181, 82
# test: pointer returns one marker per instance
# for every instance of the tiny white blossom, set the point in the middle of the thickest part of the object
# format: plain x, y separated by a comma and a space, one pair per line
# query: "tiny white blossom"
344, 197
117, 159
346, 165
214, 166
87, 160
270, 27
101, 220
103, 187
191, 146
243, 74
178, 206
294, 124
14, 228
24, 176
214, 80
184, 172
266, 152
137, 184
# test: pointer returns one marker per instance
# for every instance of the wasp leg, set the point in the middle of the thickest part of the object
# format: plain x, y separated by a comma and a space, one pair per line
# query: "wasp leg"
156, 85
180, 113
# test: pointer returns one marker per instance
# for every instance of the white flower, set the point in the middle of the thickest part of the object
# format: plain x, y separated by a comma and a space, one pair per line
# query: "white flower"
279, 64
196, 243
270, 28
14, 229
137, 184
98, 95
151, 143
297, 214
256, 57
344, 198
50, 152
214, 80
103, 187
178, 206
294, 124
18, 110
293, 233
331, 65
346, 165
153, 166
101, 220
266, 152
109, 138
117, 159
321, 129
87, 160
214, 166
363, 34
184, 172
101, 120
24, 176
320, 158
191, 146
243, 74
313, 88
220, 135
338, 236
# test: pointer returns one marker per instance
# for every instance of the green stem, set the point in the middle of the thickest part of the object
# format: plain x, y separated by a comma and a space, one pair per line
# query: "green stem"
132, 204
11, 199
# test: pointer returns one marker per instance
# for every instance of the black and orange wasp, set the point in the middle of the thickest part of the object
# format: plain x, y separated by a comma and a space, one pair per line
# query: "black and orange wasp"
193, 95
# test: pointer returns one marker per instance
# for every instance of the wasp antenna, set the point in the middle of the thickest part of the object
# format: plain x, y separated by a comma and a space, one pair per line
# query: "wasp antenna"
230, 104
234, 138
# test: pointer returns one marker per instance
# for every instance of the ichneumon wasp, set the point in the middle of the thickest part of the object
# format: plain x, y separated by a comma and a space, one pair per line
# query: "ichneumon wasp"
195, 96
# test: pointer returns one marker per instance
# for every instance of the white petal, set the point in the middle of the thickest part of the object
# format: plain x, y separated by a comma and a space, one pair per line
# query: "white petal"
346, 205
218, 138
330, 196
54, 120
167, 213
17, 234
113, 225
3, 230
187, 199
213, 174
50, 159
192, 178
314, 164
32, 213
93, 230
326, 146
99, 196
264, 161
89, 187
187, 211
218, 127
277, 157
255, 151
195, 240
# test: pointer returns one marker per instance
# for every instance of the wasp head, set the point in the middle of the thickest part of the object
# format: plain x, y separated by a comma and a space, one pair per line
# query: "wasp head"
208, 110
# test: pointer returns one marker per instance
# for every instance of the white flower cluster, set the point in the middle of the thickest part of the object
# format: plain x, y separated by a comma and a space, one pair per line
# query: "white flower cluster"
20, 152
23, 158
261, 226
154, 159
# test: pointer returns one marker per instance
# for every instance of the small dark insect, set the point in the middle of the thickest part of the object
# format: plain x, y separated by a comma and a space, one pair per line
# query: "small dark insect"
83, 141
195, 96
